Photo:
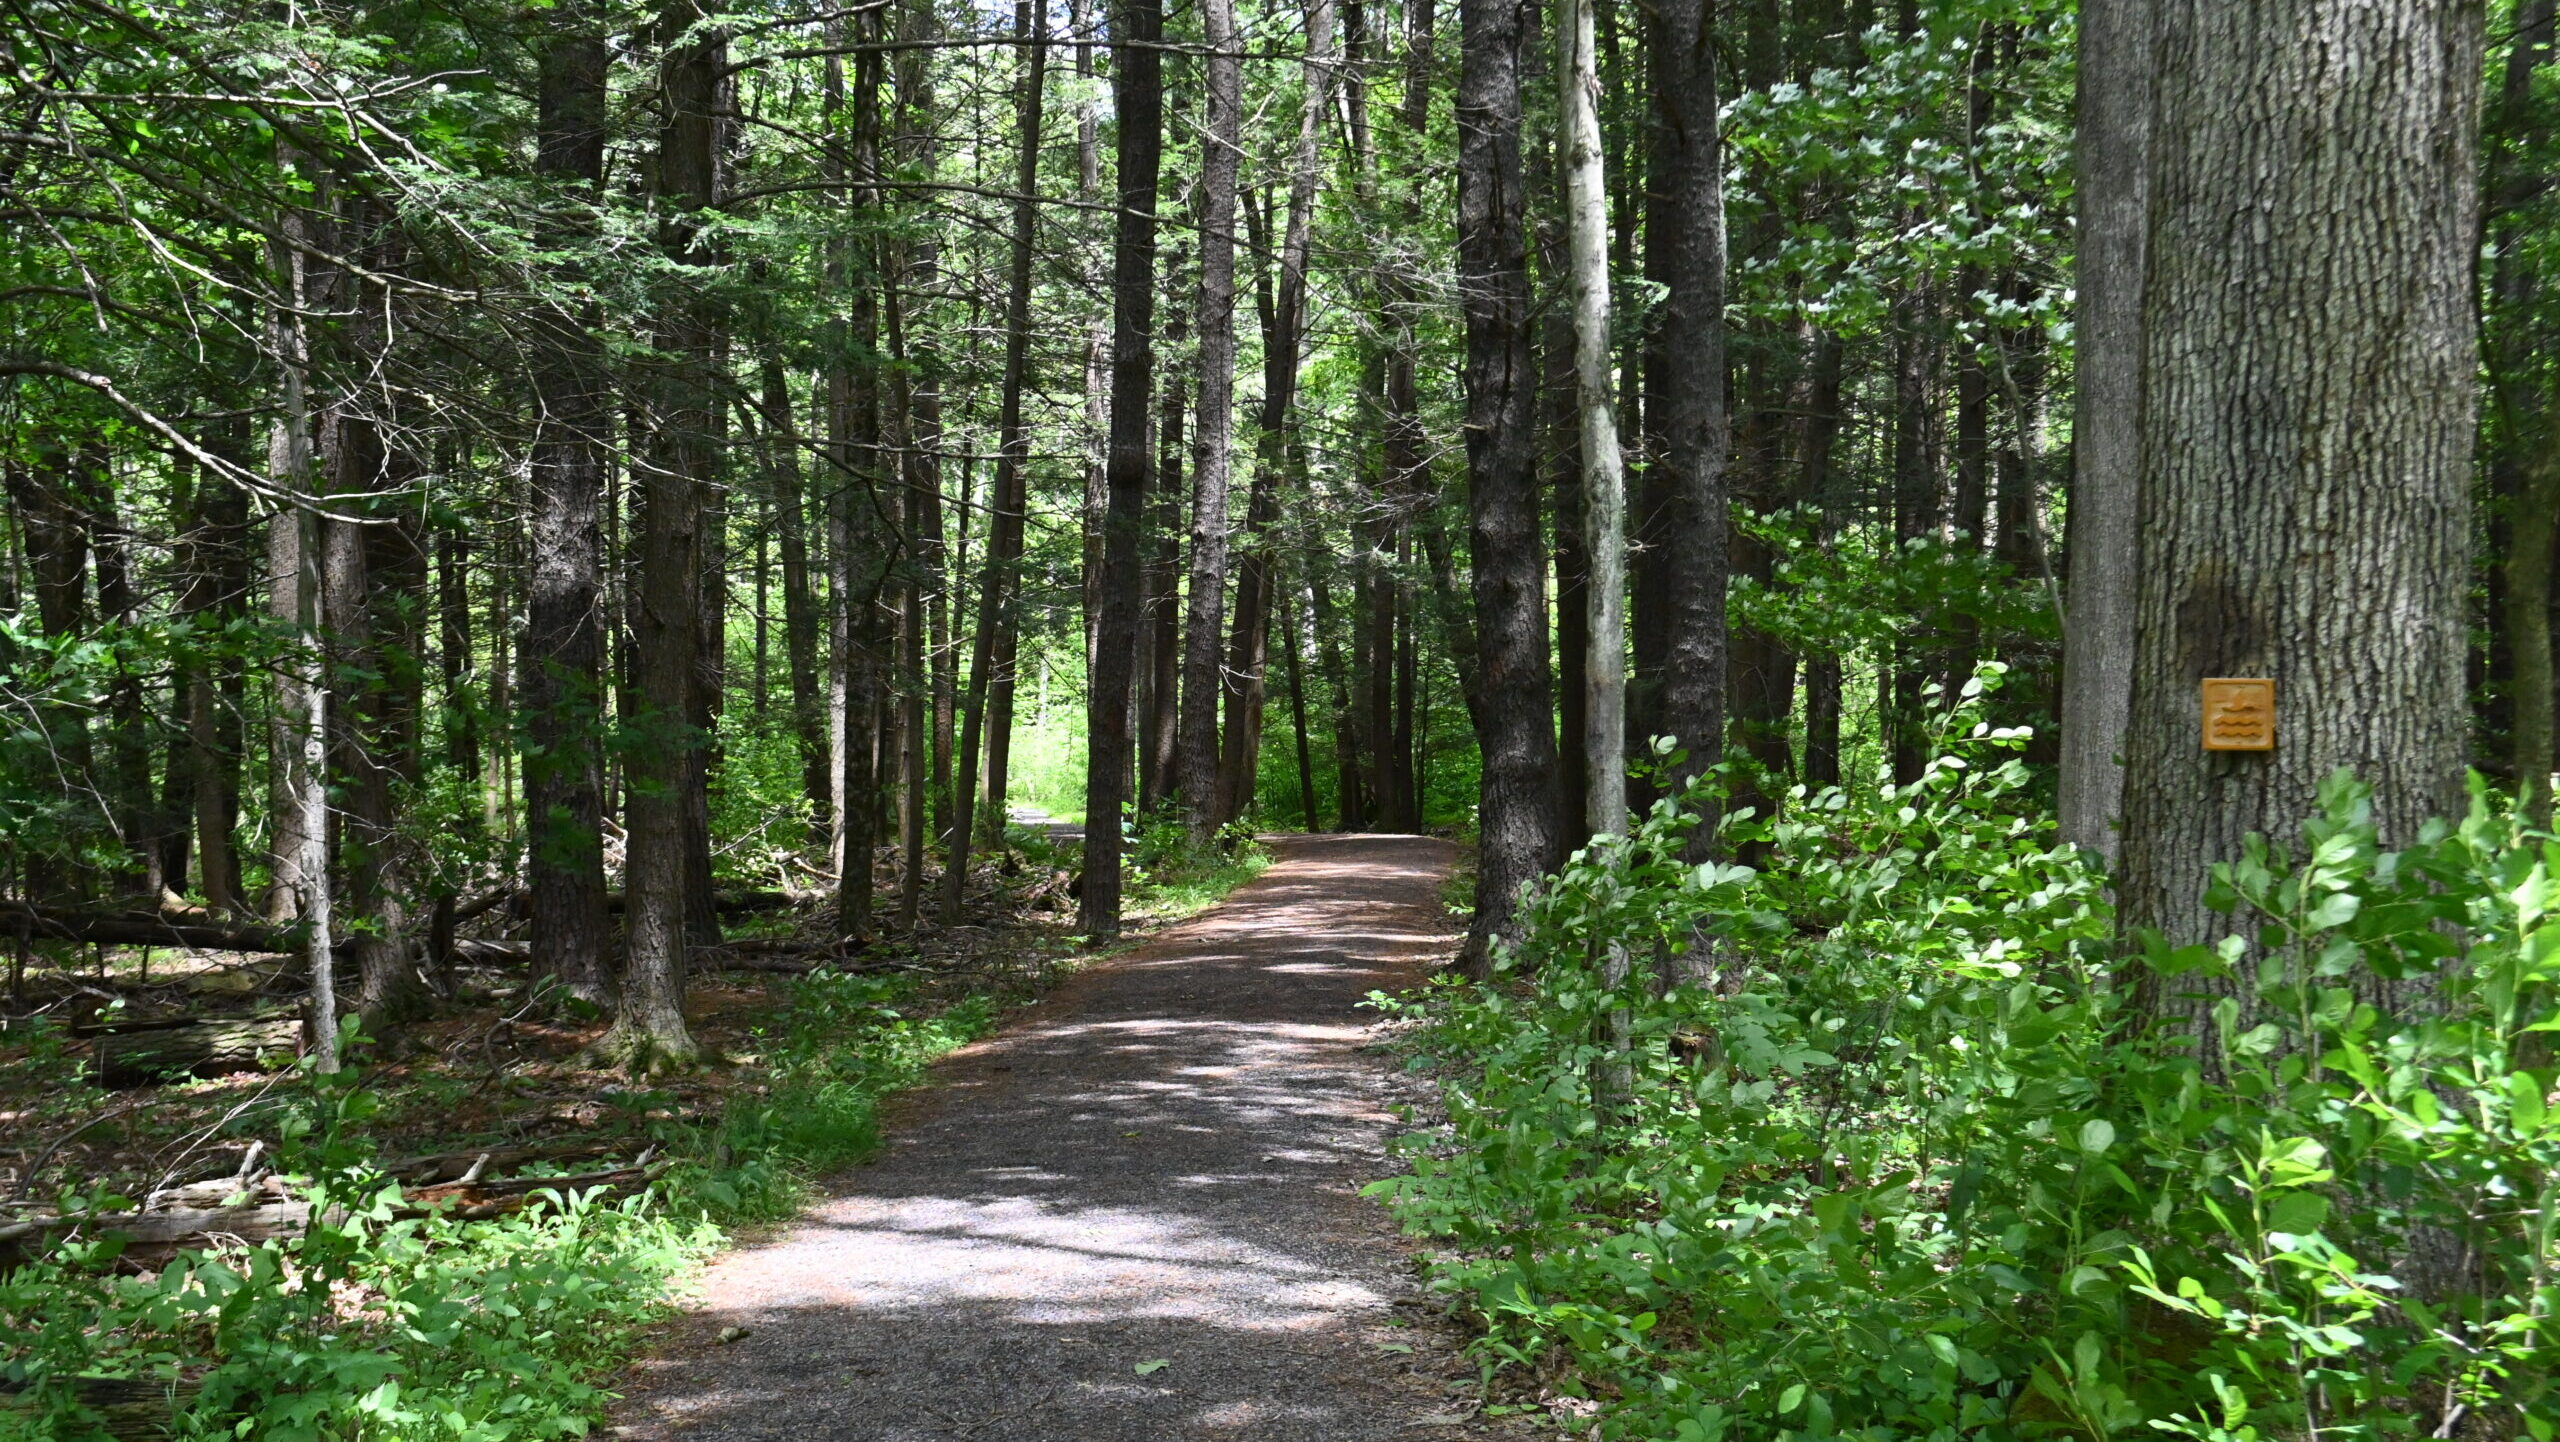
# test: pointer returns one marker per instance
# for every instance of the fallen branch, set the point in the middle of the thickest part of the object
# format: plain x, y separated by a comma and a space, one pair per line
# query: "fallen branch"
141, 1056
136, 928
154, 1235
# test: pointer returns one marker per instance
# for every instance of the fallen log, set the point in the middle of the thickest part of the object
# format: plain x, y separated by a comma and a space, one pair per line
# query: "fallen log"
126, 1408
140, 928
454, 1166
724, 902
142, 1056
725, 957
156, 1235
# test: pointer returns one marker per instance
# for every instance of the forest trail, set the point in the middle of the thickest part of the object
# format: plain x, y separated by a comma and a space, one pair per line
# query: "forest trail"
1159, 1162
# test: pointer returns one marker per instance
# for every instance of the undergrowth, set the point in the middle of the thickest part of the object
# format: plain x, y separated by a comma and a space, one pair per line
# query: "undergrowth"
1858, 1143
370, 1326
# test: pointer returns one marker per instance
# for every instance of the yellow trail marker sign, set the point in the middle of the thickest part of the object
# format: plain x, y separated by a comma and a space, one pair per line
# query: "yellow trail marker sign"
2239, 713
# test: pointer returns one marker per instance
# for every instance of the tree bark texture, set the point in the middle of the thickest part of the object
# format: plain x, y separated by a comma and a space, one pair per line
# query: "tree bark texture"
562, 654
1516, 812
1604, 478
1195, 781
2306, 431
1684, 239
649, 1029
1137, 71
2102, 539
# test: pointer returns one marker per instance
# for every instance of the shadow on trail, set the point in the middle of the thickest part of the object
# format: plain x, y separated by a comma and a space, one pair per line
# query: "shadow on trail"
1159, 1163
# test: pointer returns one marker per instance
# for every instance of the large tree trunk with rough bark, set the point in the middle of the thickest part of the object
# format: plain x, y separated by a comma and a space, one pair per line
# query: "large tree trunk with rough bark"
1137, 90
1684, 240
562, 654
1516, 813
2306, 435
649, 1029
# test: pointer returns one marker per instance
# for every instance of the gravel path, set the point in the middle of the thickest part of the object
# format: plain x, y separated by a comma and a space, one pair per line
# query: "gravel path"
1157, 1163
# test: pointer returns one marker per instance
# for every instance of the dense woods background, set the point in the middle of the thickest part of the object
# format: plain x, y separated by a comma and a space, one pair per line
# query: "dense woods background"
620, 454
534, 476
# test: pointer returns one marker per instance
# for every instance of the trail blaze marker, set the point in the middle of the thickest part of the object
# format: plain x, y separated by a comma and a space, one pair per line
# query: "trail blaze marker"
2239, 713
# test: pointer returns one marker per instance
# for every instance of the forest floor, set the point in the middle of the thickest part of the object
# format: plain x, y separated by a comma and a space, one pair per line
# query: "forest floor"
1131, 1214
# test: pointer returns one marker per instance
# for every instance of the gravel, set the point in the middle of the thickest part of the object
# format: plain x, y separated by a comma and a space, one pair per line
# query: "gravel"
1131, 1215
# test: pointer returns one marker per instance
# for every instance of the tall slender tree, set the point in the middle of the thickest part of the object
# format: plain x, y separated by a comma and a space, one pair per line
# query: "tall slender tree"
649, 1029
991, 655
1196, 755
562, 653
1137, 92
1515, 811
1603, 463
1684, 245
2104, 540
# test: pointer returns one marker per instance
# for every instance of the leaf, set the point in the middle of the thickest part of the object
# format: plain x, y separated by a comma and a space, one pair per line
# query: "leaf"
1149, 1369
2298, 1212
1790, 1399
2335, 909
2096, 1135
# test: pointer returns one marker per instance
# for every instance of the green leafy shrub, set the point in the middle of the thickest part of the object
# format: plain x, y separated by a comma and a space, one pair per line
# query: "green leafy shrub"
364, 1325
1863, 1142
370, 1325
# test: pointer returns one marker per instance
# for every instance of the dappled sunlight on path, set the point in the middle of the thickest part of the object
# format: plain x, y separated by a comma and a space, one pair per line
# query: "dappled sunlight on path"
1158, 1164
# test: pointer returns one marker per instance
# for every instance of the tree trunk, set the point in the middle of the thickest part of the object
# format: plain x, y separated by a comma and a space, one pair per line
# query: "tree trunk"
293, 572
649, 1031
1289, 619
989, 649
1684, 239
1915, 508
2523, 466
2306, 449
799, 604
375, 853
56, 539
1822, 669
857, 549
1516, 813
1603, 467
562, 654
372, 580
132, 810
1281, 343
1137, 91
2102, 539
215, 594
1195, 779
1160, 662
2533, 523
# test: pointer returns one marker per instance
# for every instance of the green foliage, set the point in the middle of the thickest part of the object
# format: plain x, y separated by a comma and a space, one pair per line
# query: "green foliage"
841, 1044
1871, 1148
364, 1325
369, 1325
1171, 875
